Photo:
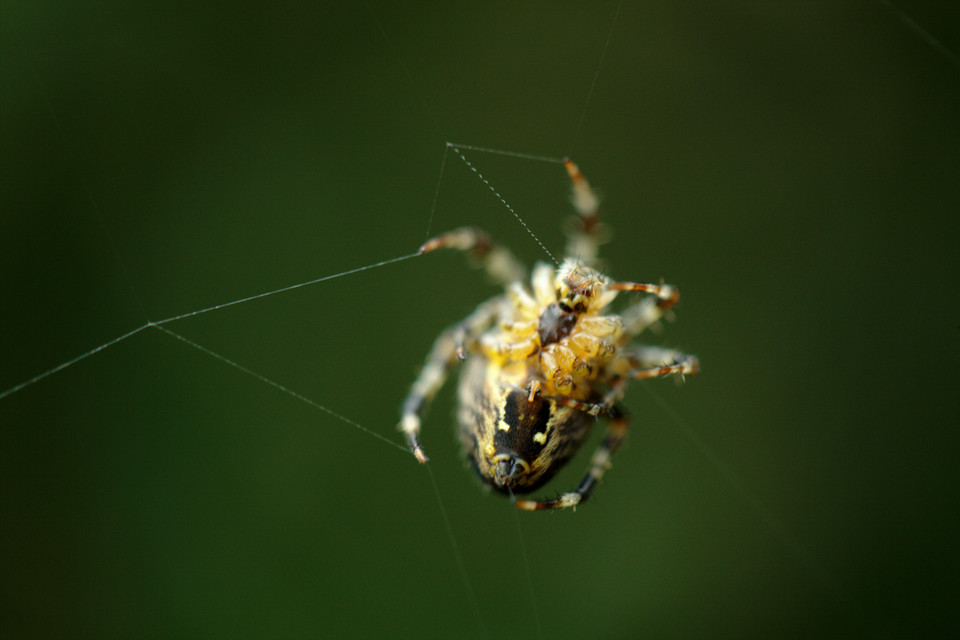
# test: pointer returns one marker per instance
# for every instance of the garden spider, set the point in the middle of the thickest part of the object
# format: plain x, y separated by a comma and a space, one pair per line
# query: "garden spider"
540, 363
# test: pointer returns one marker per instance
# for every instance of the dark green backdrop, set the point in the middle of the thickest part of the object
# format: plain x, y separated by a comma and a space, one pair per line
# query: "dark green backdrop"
792, 166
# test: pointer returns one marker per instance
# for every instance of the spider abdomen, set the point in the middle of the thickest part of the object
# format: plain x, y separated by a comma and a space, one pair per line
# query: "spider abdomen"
514, 442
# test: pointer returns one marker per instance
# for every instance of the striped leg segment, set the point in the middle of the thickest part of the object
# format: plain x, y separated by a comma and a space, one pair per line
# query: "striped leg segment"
645, 313
656, 362
587, 232
499, 263
667, 294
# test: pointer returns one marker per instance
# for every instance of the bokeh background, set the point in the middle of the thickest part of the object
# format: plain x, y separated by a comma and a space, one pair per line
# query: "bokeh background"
792, 166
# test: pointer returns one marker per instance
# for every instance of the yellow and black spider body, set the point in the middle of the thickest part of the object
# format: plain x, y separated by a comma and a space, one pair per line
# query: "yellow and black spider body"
542, 361
515, 443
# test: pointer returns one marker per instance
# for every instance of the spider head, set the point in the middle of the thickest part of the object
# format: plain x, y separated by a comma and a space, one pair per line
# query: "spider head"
579, 287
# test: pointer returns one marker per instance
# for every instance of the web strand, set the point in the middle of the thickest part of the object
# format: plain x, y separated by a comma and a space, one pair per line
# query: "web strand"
526, 566
596, 75
406, 70
464, 576
456, 146
436, 193
503, 201
924, 35
71, 362
224, 305
287, 390
159, 323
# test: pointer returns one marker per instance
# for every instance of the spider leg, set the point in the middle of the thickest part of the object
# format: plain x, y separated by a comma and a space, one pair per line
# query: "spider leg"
587, 232
593, 408
657, 362
498, 351
447, 350
667, 294
648, 311
499, 263
616, 433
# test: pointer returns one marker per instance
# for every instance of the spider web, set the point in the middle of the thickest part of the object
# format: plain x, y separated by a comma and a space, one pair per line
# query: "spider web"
150, 484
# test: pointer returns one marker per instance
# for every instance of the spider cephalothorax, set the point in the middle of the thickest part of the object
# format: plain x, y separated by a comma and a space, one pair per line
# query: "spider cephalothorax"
542, 360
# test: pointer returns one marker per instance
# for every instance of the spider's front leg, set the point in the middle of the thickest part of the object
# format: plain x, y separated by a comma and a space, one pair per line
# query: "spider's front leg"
615, 435
648, 311
585, 233
445, 353
499, 263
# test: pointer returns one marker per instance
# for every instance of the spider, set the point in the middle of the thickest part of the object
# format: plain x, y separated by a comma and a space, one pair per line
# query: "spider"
542, 361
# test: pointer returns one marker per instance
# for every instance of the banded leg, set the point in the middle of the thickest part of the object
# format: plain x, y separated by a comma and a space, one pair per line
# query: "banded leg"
593, 408
648, 311
587, 232
657, 362
616, 434
445, 353
499, 263
667, 294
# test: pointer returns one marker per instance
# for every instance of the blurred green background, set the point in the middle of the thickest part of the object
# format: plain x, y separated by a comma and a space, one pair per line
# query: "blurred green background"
792, 167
